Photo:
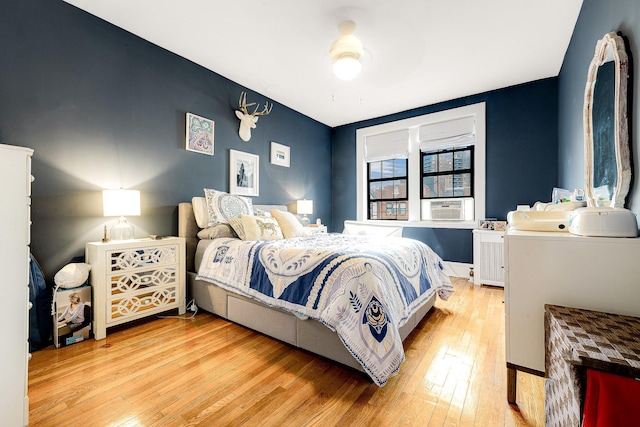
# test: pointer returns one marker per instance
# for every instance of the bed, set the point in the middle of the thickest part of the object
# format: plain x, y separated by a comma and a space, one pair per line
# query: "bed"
233, 295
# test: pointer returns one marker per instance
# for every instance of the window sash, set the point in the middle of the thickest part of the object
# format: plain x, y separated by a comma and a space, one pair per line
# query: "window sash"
388, 193
447, 180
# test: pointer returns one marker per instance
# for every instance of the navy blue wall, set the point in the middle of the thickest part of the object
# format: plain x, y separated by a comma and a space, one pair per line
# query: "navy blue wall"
105, 109
596, 19
522, 151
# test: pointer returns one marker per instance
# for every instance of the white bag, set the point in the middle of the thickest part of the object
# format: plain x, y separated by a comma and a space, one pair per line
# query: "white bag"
72, 275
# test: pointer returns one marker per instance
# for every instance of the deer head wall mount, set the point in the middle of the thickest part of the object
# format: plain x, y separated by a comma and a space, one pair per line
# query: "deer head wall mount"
248, 120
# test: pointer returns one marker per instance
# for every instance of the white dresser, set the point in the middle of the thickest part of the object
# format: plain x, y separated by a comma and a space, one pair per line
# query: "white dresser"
15, 224
593, 273
135, 278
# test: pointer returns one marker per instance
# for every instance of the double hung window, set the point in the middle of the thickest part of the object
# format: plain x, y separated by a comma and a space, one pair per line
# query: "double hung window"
447, 173
387, 180
388, 196
427, 170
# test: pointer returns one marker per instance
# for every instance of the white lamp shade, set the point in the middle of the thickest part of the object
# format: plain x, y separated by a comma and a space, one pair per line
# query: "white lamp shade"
304, 207
347, 68
121, 202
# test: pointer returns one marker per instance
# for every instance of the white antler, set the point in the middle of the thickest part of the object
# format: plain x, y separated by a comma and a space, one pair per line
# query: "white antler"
248, 120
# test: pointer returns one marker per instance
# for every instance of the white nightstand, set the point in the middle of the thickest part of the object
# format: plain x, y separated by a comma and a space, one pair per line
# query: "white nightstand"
316, 229
135, 278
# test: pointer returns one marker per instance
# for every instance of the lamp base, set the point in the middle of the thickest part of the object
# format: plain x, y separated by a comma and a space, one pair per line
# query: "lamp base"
304, 220
122, 230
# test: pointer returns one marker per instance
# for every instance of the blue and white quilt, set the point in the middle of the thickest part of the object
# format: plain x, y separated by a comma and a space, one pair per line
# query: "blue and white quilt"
362, 287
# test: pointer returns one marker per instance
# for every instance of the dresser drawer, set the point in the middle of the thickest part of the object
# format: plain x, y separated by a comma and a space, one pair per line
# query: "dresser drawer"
150, 299
141, 258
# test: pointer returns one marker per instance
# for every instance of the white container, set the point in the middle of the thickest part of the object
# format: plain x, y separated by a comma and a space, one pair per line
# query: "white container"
603, 222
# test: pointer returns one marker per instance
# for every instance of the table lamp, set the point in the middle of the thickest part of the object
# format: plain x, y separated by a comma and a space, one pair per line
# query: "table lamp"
304, 207
121, 203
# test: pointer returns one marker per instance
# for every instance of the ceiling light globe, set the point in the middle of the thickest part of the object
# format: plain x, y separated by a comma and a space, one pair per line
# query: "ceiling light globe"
347, 68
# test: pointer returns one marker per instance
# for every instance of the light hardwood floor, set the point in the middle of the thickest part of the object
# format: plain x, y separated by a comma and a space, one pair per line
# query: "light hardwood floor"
210, 372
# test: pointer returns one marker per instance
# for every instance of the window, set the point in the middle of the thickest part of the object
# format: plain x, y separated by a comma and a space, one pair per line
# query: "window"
388, 195
386, 157
447, 173
444, 157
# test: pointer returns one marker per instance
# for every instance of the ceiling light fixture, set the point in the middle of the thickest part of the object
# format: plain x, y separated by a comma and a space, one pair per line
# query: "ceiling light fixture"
346, 52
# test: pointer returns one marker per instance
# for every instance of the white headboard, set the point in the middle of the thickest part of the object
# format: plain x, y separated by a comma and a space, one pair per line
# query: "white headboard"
372, 229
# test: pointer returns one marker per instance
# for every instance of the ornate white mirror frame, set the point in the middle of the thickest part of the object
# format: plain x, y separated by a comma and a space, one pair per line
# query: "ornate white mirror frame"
610, 48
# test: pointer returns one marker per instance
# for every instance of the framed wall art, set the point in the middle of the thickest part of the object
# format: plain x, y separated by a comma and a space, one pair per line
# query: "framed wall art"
199, 137
280, 155
244, 173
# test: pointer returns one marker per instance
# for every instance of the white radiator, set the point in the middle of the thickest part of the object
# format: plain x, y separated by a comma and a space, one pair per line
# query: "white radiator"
488, 257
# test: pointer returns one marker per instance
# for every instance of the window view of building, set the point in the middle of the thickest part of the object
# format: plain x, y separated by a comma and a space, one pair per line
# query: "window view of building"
387, 180
447, 173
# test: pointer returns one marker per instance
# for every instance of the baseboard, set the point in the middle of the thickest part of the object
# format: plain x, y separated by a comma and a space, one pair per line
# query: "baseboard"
457, 269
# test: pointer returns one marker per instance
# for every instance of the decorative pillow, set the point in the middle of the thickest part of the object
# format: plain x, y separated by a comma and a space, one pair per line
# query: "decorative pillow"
260, 212
200, 211
250, 227
289, 224
222, 206
215, 231
238, 227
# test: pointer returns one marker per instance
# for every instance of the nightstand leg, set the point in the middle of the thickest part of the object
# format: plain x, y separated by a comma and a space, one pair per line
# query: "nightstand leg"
99, 327
99, 306
511, 385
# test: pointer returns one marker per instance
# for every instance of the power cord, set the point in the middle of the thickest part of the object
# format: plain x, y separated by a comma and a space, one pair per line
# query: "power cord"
192, 307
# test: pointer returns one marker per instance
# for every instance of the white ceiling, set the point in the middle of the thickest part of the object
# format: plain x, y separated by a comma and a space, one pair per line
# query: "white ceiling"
417, 52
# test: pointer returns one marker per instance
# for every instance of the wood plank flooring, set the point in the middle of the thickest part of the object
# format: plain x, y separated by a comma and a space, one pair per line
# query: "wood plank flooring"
210, 372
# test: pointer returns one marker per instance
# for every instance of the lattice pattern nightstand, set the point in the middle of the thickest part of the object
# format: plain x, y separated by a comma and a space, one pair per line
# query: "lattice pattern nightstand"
132, 279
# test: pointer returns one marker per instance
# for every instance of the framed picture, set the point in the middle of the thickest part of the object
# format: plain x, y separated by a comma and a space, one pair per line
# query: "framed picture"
67, 333
244, 173
486, 224
280, 155
199, 137
500, 225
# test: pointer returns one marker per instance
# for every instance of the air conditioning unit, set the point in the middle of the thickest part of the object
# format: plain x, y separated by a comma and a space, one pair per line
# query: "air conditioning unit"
458, 209
447, 210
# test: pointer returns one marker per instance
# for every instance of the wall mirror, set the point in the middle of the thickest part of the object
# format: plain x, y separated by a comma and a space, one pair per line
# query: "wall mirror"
606, 125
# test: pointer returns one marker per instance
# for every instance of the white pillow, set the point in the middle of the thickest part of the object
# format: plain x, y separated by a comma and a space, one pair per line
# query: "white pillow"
250, 227
222, 206
200, 211
72, 275
289, 224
